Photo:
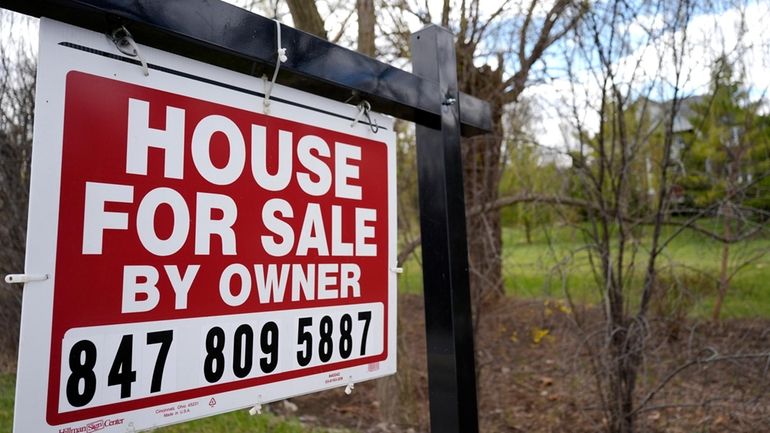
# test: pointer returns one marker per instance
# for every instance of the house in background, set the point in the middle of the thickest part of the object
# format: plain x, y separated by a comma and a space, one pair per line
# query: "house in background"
655, 115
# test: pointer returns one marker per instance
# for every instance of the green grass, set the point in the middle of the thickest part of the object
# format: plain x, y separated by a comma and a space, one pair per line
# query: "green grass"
557, 260
410, 281
241, 422
7, 391
234, 422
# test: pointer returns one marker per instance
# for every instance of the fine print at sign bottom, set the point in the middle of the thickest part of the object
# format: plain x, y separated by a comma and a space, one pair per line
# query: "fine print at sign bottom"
114, 363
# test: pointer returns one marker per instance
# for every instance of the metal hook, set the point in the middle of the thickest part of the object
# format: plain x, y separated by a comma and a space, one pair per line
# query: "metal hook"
257, 409
349, 388
281, 54
364, 108
124, 42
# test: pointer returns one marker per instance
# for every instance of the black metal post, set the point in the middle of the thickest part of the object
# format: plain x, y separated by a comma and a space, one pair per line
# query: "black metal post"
448, 324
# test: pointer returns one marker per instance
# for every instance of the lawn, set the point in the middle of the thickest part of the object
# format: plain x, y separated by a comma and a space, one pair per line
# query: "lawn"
557, 262
7, 390
241, 422
234, 422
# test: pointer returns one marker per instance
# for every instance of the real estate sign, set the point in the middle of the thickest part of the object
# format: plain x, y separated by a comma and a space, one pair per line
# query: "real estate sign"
202, 255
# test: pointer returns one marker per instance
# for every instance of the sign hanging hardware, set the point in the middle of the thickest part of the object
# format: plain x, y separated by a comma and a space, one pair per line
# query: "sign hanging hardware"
257, 409
124, 42
24, 278
281, 58
364, 108
349, 388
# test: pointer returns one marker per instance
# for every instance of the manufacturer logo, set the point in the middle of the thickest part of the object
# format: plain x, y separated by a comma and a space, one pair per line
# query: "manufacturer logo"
93, 426
212, 402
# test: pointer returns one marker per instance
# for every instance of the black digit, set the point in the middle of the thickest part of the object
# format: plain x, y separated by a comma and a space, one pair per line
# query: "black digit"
214, 365
82, 360
366, 316
346, 340
243, 351
268, 340
326, 348
164, 338
121, 372
306, 338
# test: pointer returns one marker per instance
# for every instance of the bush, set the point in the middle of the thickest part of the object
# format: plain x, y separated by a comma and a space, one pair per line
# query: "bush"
677, 292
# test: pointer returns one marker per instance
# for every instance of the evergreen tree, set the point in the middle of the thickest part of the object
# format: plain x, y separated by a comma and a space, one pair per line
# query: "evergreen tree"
728, 164
728, 153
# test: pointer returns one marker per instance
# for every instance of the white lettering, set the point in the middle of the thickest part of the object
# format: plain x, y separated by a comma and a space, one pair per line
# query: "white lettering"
316, 166
278, 227
270, 283
364, 232
206, 227
279, 180
301, 280
96, 219
344, 171
181, 283
141, 137
225, 285
139, 280
145, 221
326, 279
339, 248
201, 150
350, 273
312, 234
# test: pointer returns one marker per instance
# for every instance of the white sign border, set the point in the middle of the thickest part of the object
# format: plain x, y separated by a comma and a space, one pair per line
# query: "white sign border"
55, 61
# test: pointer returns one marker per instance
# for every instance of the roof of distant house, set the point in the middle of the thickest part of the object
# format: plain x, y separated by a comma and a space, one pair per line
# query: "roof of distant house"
684, 113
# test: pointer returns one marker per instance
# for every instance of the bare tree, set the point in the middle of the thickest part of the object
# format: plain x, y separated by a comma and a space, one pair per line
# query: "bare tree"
614, 79
17, 95
498, 53
517, 51
306, 17
604, 162
366, 20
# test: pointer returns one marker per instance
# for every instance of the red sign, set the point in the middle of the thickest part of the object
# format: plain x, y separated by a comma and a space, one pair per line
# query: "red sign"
203, 248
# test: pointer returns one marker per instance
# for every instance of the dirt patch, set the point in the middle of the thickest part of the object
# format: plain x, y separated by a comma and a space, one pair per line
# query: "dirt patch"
535, 375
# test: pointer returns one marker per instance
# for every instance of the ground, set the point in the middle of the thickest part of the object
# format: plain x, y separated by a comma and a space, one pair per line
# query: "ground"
533, 376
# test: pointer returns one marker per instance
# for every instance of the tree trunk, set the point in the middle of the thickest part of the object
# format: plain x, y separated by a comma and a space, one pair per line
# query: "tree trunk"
624, 343
733, 169
306, 17
528, 229
724, 280
366, 20
482, 174
482, 171
622, 381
